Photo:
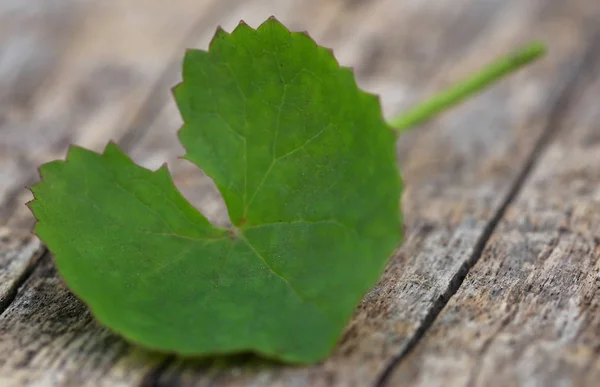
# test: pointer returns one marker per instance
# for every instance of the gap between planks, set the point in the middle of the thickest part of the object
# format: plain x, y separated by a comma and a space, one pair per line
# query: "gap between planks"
587, 62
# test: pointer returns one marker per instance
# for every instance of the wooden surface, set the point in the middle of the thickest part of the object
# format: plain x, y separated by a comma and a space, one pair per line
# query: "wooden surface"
504, 190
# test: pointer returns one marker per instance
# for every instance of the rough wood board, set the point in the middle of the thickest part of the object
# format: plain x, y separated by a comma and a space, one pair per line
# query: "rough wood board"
65, 81
82, 73
73, 73
457, 182
54, 341
19, 252
79, 72
458, 171
528, 313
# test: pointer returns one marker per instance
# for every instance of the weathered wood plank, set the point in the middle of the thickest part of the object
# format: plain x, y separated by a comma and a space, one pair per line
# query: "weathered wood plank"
79, 72
72, 72
459, 170
19, 252
528, 313
457, 183
64, 82
50, 339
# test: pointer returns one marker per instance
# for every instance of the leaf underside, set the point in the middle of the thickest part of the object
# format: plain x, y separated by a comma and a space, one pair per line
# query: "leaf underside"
306, 166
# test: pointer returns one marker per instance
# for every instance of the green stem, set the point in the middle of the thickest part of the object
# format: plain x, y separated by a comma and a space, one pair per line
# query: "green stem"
468, 87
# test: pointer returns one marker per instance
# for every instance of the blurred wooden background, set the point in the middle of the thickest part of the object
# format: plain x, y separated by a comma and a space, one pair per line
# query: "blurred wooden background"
498, 282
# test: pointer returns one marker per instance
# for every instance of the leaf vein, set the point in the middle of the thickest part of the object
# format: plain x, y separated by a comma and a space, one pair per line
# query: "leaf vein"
294, 290
300, 221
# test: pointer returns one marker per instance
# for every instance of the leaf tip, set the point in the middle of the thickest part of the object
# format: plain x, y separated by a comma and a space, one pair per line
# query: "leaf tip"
31, 207
273, 22
113, 152
163, 173
72, 149
349, 74
174, 89
306, 35
190, 52
329, 51
42, 170
111, 146
220, 33
33, 188
35, 202
30, 202
163, 169
242, 27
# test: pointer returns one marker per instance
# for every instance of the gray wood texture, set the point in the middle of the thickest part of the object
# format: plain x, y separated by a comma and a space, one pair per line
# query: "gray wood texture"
502, 190
529, 310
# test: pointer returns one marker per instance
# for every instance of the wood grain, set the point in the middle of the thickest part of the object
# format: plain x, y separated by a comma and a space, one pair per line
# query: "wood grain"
459, 172
19, 252
460, 169
83, 73
79, 73
529, 312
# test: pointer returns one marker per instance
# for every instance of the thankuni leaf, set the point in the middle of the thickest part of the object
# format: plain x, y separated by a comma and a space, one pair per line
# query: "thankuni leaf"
307, 168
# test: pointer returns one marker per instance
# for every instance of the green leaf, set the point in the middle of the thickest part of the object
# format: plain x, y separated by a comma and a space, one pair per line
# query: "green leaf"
307, 168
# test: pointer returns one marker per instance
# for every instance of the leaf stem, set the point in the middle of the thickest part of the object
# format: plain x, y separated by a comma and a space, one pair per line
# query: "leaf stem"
468, 87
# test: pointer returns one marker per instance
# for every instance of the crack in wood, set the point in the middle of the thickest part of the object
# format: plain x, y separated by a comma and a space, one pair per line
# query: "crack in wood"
587, 62
13, 291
